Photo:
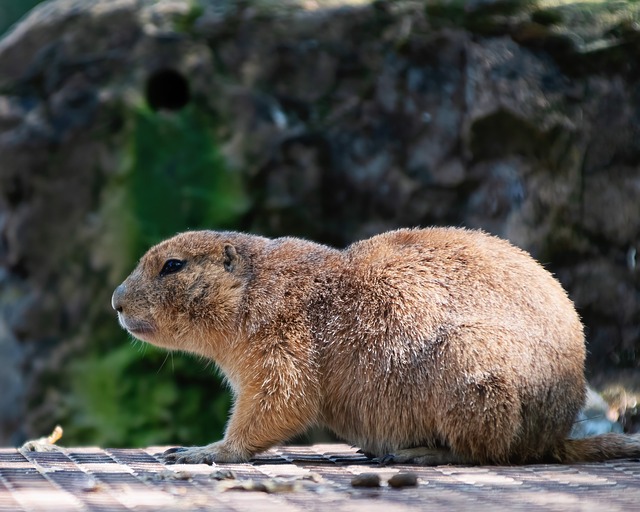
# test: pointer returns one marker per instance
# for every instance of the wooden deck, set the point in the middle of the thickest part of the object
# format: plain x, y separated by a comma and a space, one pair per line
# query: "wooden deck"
299, 478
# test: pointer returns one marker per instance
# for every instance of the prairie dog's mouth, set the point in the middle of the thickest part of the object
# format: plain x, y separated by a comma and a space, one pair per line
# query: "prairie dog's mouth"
139, 328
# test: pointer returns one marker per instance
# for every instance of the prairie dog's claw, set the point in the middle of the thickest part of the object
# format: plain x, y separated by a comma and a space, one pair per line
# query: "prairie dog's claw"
191, 455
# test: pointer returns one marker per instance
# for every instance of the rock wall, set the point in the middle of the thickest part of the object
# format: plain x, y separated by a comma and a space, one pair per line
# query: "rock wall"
333, 123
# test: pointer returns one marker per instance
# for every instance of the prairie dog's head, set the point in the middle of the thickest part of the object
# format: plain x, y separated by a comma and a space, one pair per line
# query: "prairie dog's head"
185, 293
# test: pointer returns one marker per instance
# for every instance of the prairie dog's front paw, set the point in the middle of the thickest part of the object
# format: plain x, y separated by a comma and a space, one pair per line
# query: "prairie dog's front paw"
209, 454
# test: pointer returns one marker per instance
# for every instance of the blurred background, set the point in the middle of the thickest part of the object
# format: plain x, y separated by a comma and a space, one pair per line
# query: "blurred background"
123, 122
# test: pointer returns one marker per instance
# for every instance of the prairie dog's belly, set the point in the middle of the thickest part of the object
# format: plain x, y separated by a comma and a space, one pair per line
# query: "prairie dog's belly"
380, 415
380, 396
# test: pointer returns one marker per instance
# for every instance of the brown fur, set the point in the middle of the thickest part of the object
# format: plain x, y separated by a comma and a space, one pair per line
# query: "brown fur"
445, 339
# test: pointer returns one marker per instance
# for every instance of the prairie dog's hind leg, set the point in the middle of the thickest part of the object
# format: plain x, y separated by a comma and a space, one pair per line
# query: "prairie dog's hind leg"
424, 456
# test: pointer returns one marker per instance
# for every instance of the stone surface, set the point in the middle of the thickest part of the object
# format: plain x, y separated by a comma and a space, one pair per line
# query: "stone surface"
294, 478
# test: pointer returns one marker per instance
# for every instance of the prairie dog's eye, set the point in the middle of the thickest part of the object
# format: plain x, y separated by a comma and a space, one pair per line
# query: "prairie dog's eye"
172, 266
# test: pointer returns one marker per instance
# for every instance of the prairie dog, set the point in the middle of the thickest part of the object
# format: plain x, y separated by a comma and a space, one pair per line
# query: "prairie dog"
430, 346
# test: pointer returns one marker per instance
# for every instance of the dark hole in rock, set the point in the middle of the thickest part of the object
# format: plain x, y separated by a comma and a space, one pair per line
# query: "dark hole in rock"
167, 89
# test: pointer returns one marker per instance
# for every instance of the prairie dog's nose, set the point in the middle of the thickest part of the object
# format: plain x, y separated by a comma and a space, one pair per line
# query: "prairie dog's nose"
116, 298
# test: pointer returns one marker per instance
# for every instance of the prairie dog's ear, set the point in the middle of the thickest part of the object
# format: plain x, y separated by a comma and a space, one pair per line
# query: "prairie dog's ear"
230, 258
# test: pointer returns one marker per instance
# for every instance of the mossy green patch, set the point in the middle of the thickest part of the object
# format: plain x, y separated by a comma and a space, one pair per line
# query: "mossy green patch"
140, 396
177, 178
185, 22
173, 179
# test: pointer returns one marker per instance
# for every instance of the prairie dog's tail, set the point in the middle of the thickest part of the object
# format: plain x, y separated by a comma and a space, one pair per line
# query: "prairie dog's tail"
598, 448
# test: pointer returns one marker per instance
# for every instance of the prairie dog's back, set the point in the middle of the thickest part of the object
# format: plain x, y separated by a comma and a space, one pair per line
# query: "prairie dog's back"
468, 272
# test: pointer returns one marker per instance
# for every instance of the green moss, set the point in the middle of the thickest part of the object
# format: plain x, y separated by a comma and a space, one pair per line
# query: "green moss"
185, 22
173, 178
178, 180
139, 396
